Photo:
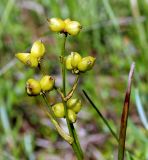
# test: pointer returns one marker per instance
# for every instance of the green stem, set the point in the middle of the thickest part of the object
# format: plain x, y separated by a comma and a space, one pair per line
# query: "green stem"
77, 140
48, 107
63, 65
59, 92
74, 145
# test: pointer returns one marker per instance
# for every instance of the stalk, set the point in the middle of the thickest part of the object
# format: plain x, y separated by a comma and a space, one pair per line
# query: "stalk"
70, 125
77, 141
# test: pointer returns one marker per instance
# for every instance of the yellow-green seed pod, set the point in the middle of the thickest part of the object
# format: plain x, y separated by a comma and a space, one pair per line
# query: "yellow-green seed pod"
32, 61
47, 83
38, 49
72, 116
76, 58
33, 87
67, 21
56, 24
86, 63
74, 104
68, 62
23, 57
77, 107
73, 27
58, 110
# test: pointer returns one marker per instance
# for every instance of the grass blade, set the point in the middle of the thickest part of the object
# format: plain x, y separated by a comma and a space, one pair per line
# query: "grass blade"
111, 14
141, 110
124, 117
139, 26
101, 116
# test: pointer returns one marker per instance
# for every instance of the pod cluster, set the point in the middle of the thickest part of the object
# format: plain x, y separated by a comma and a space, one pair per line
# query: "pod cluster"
34, 87
73, 62
74, 105
33, 58
76, 63
64, 26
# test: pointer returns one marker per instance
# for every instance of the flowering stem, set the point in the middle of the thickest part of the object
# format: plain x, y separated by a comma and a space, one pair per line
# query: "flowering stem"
48, 105
77, 140
63, 65
70, 125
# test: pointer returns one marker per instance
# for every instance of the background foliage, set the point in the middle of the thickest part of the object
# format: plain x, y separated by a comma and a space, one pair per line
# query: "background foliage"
114, 31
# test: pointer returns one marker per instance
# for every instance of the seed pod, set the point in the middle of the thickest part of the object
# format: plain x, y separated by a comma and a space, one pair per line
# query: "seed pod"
74, 104
37, 49
32, 61
23, 57
86, 63
47, 83
77, 107
56, 24
67, 21
76, 58
33, 87
68, 62
72, 116
58, 110
72, 27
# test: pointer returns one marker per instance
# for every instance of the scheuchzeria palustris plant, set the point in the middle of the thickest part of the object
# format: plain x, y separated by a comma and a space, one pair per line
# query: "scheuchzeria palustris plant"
69, 107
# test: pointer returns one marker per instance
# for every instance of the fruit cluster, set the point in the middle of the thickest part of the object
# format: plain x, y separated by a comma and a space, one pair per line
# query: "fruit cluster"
73, 62
32, 59
35, 87
73, 107
64, 26
77, 64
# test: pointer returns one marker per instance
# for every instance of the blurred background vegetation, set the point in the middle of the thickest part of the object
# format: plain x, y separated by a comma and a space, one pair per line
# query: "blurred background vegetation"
116, 32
